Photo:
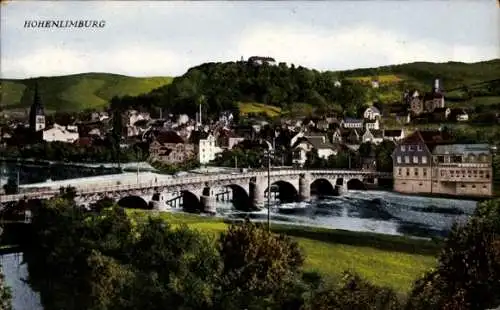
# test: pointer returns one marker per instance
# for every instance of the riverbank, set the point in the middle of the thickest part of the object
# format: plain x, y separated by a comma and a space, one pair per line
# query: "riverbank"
41, 162
330, 252
449, 196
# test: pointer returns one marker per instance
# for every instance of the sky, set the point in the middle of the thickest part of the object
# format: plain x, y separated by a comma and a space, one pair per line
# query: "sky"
159, 38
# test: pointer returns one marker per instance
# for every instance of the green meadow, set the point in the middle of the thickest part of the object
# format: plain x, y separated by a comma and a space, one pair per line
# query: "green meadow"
385, 260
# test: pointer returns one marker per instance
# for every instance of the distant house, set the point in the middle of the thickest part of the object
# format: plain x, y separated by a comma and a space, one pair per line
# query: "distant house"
372, 136
228, 139
394, 135
352, 123
351, 136
205, 146
403, 117
372, 124
371, 113
68, 134
459, 115
170, 148
307, 144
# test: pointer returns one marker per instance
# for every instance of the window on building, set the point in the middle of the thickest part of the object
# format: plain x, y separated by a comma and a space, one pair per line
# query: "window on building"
487, 175
424, 159
415, 159
407, 159
407, 172
424, 172
463, 185
403, 148
442, 173
415, 171
400, 171
399, 159
440, 159
473, 186
419, 147
410, 148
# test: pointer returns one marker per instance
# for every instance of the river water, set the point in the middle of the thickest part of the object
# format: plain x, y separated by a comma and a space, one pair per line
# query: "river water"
23, 297
371, 211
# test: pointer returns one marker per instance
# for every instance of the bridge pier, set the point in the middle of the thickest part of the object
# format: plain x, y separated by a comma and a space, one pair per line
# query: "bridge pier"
305, 187
209, 204
257, 189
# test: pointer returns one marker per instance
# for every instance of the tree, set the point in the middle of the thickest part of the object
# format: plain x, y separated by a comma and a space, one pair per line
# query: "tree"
259, 268
468, 272
353, 293
383, 156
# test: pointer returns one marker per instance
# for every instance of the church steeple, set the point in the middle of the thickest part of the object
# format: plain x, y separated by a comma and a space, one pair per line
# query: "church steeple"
37, 113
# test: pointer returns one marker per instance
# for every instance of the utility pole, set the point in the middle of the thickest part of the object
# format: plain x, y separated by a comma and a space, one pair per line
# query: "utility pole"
269, 191
137, 164
236, 162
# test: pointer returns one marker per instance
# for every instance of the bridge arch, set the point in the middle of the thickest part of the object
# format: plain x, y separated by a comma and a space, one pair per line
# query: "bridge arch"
133, 202
322, 187
356, 184
286, 191
191, 202
235, 193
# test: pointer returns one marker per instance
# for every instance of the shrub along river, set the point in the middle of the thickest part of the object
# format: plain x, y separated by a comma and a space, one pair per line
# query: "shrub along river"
373, 211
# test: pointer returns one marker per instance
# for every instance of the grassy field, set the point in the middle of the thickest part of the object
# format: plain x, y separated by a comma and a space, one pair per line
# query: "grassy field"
75, 92
386, 260
382, 79
256, 108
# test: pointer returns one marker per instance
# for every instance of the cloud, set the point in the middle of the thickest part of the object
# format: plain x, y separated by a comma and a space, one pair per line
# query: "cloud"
310, 45
140, 61
363, 45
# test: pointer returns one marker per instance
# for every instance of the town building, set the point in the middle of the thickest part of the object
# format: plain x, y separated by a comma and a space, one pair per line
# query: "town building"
58, 133
427, 103
306, 144
350, 123
430, 162
371, 113
168, 147
205, 146
37, 113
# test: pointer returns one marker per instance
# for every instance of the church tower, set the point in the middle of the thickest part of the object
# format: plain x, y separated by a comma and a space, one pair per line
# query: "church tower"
37, 113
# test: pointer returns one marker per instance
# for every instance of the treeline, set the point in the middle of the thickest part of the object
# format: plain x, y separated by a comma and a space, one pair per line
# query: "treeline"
220, 86
105, 260
103, 152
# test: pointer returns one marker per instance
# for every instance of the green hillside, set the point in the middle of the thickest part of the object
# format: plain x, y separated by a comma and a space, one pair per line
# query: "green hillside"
94, 90
76, 92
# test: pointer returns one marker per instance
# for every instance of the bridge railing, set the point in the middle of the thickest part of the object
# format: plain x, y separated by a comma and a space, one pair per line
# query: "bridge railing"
86, 189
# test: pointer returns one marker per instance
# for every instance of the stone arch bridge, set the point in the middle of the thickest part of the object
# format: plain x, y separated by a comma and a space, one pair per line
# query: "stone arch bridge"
200, 193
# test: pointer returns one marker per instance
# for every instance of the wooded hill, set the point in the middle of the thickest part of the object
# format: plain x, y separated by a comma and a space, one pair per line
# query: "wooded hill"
236, 85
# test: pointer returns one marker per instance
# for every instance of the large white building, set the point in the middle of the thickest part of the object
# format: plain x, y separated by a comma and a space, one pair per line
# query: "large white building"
58, 133
207, 149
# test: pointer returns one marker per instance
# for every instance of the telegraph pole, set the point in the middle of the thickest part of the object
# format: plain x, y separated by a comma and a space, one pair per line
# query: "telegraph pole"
269, 191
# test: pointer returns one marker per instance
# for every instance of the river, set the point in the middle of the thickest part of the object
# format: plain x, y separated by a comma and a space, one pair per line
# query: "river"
372, 211
23, 297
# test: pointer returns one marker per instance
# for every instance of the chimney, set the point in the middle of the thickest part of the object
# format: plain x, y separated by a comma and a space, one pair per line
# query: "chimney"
436, 85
